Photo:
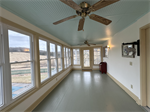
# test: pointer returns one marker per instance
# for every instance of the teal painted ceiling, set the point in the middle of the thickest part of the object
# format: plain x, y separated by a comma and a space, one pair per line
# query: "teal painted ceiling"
42, 13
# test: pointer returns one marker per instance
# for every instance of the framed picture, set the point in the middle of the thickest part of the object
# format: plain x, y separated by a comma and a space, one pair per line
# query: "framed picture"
105, 49
128, 51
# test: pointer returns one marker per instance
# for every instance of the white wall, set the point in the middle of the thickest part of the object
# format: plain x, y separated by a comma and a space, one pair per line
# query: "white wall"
119, 66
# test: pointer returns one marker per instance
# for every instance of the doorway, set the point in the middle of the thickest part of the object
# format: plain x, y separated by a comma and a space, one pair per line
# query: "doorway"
145, 65
86, 59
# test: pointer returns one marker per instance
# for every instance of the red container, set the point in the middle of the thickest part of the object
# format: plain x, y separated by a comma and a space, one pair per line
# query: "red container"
103, 67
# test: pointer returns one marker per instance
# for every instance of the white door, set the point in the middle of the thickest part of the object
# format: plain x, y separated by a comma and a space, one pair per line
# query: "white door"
148, 64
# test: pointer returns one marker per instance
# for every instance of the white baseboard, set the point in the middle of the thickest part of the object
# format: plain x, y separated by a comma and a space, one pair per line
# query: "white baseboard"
138, 101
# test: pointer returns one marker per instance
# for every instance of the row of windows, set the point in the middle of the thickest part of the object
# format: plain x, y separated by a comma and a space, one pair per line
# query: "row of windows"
76, 56
19, 65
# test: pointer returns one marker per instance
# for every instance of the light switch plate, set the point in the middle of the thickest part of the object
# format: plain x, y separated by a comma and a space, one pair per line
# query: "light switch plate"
131, 63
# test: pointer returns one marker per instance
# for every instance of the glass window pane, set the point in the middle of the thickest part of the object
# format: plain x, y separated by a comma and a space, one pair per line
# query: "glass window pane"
64, 52
21, 78
1, 90
97, 55
43, 49
65, 62
19, 46
59, 51
53, 67
76, 56
44, 70
59, 64
86, 58
52, 51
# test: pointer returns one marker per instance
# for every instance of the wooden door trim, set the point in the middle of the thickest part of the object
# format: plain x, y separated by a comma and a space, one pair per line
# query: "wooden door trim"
143, 60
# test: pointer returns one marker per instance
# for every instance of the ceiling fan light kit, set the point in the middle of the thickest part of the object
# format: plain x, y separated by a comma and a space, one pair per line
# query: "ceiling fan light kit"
85, 9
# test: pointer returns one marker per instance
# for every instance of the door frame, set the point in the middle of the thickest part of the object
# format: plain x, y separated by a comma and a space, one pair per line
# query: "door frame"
91, 59
143, 80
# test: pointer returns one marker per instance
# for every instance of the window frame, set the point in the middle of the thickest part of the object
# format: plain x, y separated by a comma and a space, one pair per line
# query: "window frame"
48, 60
60, 58
1, 67
65, 58
31, 60
79, 57
100, 54
50, 42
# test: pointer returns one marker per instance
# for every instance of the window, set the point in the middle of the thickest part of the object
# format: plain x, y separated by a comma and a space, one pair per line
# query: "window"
59, 56
67, 57
1, 88
43, 60
21, 62
65, 61
53, 59
76, 56
1, 71
97, 55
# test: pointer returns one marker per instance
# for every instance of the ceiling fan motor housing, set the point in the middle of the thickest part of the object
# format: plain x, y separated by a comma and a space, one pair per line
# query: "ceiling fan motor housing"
85, 9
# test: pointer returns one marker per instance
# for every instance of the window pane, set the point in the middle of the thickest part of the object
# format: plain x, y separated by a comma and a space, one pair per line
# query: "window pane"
1, 90
53, 67
76, 60
64, 52
21, 78
76, 56
97, 55
86, 58
59, 64
43, 49
65, 62
59, 51
19, 46
52, 51
44, 70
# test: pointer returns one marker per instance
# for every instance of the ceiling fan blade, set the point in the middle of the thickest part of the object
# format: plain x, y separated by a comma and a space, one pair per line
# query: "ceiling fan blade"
81, 24
100, 19
65, 19
72, 4
101, 4
88, 44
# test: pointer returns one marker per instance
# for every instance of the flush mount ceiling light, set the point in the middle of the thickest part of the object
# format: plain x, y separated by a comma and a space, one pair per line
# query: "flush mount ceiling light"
84, 9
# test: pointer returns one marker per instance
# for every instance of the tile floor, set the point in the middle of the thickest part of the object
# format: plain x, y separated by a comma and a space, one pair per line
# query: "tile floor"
88, 92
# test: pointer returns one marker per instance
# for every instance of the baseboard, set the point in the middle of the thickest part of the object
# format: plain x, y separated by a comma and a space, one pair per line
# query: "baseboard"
34, 105
132, 95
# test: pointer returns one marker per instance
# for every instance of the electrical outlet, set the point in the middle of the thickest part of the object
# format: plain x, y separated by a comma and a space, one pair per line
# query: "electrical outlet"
131, 63
132, 86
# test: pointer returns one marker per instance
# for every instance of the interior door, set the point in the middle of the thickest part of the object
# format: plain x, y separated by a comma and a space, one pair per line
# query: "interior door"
86, 64
148, 64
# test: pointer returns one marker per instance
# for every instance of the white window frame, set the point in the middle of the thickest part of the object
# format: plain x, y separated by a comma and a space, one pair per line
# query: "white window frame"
31, 56
1, 67
94, 55
65, 59
7, 83
59, 58
53, 58
76, 56
48, 59
69, 56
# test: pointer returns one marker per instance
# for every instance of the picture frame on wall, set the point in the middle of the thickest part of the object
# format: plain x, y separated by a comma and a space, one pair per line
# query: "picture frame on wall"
128, 51
106, 50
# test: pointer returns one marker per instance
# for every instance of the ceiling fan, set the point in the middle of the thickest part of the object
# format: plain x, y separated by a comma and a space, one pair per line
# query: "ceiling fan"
86, 42
85, 9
